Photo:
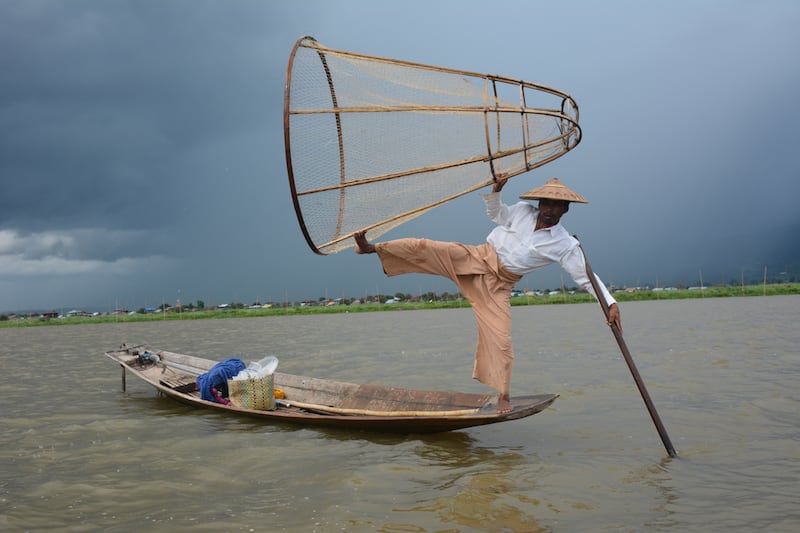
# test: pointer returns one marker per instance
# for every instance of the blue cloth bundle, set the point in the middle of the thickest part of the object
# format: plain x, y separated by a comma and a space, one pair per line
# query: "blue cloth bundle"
218, 378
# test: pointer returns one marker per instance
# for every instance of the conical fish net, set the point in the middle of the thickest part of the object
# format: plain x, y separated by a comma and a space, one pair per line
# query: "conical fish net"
373, 142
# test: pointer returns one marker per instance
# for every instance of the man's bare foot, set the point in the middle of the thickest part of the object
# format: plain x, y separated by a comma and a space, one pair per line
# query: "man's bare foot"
362, 244
504, 404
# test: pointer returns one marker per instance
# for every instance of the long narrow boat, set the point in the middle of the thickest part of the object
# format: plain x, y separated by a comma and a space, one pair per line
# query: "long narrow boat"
322, 402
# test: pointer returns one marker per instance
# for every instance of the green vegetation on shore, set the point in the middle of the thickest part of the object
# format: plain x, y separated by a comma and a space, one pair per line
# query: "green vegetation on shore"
297, 309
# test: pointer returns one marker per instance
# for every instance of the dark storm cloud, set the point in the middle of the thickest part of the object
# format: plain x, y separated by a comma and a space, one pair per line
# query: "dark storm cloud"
102, 104
119, 125
141, 142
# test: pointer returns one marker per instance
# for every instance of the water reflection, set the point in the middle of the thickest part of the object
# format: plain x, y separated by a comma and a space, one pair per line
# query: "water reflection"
475, 487
451, 477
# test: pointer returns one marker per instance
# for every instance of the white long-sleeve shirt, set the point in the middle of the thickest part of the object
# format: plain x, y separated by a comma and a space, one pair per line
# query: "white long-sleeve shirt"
523, 250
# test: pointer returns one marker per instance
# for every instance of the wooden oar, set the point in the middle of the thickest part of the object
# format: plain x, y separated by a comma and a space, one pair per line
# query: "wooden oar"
370, 412
629, 359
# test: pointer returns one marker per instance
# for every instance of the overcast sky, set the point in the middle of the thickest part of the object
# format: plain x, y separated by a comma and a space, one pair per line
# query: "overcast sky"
142, 156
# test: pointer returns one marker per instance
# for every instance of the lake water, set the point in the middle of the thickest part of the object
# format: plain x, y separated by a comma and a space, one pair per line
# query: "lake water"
78, 454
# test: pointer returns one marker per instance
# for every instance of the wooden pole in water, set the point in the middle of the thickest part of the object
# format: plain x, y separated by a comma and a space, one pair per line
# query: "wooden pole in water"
662, 432
123, 377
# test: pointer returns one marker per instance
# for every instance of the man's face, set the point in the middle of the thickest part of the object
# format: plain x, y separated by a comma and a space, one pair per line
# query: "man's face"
551, 211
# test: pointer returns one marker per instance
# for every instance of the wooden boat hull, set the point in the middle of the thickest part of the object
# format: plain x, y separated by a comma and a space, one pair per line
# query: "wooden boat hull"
321, 402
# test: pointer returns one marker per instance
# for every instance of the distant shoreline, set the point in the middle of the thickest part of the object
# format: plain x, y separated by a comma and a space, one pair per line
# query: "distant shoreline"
774, 289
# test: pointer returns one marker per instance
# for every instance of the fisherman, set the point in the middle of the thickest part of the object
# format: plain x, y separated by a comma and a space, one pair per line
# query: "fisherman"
526, 239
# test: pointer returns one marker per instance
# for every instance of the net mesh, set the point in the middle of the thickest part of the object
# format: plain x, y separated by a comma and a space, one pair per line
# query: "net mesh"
373, 142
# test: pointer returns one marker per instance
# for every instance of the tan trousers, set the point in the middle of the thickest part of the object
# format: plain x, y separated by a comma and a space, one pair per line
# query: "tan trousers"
481, 278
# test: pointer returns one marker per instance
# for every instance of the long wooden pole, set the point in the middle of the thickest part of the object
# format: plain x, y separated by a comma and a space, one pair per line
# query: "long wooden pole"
371, 412
662, 432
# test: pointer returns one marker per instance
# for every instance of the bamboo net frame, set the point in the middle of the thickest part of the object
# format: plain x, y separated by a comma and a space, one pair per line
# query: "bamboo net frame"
374, 142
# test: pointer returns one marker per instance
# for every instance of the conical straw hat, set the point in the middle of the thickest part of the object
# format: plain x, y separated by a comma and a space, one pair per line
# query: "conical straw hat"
554, 190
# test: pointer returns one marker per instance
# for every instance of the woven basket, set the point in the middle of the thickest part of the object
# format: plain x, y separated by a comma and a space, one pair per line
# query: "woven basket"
252, 393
